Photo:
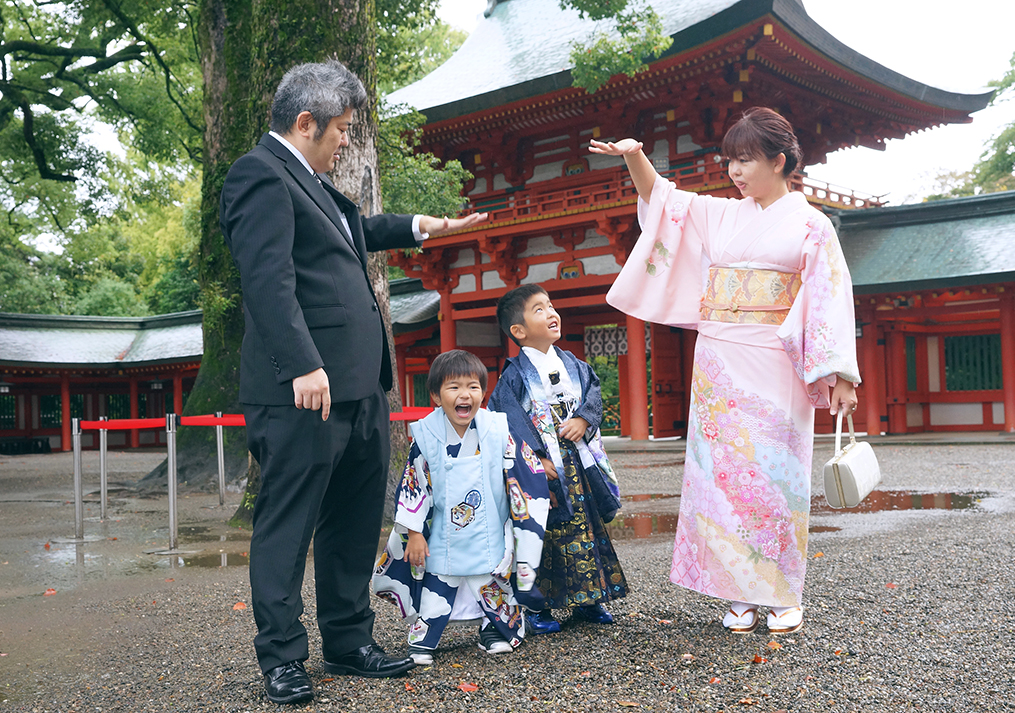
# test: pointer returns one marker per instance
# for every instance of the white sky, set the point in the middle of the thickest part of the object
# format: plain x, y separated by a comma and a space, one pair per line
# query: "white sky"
954, 46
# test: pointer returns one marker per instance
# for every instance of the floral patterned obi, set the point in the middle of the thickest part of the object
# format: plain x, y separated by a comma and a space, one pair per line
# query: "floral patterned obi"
746, 296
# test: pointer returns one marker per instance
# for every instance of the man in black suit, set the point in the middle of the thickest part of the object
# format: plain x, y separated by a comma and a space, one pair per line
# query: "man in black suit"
314, 368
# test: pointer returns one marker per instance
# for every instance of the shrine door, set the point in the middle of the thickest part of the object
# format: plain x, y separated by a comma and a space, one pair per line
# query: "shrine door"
669, 393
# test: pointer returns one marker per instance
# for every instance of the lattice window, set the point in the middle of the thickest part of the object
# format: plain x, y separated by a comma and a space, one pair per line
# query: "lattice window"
973, 362
50, 411
118, 406
8, 412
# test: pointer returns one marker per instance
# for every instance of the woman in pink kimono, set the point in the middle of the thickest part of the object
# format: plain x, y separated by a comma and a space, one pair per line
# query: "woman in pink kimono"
764, 282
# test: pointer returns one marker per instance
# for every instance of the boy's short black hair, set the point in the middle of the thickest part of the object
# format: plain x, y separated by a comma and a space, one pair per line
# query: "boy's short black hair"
511, 307
455, 363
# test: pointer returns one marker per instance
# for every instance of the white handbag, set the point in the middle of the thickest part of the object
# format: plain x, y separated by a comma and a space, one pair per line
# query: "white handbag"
853, 471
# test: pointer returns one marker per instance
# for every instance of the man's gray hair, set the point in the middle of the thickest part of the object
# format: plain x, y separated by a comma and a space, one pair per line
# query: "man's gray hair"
325, 89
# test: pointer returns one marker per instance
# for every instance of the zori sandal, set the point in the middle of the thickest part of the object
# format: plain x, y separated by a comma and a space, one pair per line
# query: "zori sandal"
785, 620
742, 618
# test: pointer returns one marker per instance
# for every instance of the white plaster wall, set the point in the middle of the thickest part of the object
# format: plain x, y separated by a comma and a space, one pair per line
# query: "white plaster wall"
466, 258
484, 258
998, 411
542, 272
592, 240
500, 183
933, 365
547, 171
543, 245
600, 265
466, 283
914, 415
660, 149
956, 414
492, 281
480, 186
685, 144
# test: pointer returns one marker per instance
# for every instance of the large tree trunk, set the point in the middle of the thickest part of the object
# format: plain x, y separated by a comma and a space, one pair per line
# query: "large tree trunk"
246, 48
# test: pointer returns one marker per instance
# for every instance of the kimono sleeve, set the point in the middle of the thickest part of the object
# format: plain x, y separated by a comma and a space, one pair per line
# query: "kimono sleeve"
414, 499
529, 501
819, 334
661, 280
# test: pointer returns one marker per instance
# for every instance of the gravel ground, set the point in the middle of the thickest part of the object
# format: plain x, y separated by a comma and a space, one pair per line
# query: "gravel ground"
908, 609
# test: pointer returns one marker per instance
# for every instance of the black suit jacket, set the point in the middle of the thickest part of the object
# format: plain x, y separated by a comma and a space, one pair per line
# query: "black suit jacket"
307, 300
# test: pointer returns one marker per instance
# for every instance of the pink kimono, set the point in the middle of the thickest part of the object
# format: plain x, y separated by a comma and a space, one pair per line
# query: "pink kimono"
771, 298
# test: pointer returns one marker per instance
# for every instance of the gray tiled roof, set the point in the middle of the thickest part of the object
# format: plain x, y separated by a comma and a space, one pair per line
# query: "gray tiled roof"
412, 306
29, 339
950, 243
522, 51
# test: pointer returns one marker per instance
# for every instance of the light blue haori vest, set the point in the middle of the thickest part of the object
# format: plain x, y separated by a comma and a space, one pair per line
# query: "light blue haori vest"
470, 504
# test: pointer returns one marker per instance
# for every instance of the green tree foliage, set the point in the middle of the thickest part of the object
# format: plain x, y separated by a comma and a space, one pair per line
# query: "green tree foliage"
600, 57
995, 171
411, 42
112, 297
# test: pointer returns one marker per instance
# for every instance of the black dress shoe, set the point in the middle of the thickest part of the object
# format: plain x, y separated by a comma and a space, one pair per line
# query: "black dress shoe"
370, 662
288, 683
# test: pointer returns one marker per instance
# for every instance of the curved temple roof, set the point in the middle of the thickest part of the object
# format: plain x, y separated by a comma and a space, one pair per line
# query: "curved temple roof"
522, 50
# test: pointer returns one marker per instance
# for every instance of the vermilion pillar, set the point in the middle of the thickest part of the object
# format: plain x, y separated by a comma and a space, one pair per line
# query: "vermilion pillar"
1008, 356
871, 374
637, 376
135, 439
897, 385
449, 338
177, 393
65, 436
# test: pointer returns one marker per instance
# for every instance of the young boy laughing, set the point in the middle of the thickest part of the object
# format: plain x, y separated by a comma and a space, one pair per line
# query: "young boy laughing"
469, 519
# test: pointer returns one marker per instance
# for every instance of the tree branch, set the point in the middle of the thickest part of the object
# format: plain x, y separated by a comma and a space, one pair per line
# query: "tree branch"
28, 123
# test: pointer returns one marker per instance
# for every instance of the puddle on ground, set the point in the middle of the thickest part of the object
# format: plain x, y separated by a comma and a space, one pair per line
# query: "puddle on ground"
889, 500
222, 559
647, 524
200, 533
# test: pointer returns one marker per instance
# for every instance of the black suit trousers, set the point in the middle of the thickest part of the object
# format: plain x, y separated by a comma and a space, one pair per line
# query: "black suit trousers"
323, 480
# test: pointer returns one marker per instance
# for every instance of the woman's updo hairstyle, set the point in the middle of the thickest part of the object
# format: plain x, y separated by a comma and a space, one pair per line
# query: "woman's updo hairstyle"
763, 132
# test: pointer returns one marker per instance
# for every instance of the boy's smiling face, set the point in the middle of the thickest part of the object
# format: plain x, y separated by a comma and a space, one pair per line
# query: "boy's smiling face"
460, 397
542, 324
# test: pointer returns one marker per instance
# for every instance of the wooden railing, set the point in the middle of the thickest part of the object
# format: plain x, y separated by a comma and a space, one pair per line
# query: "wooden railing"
603, 187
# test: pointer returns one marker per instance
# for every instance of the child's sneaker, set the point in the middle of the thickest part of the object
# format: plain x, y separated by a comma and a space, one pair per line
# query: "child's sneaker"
421, 656
492, 642
542, 623
594, 614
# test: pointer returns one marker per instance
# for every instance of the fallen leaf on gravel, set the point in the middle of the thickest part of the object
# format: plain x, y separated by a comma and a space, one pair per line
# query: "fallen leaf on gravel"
891, 585
819, 554
170, 580
239, 605
774, 645
665, 621
112, 538
585, 673
627, 704
409, 686
714, 680
46, 545
327, 680
759, 659
457, 665
467, 687
748, 702
49, 593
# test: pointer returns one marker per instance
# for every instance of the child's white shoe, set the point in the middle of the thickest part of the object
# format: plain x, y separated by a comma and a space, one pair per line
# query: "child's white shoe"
421, 656
492, 642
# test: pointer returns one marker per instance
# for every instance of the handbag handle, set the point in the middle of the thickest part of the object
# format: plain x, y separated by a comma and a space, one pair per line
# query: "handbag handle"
838, 431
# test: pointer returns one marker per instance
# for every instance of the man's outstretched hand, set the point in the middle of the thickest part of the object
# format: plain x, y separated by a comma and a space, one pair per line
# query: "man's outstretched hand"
439, 226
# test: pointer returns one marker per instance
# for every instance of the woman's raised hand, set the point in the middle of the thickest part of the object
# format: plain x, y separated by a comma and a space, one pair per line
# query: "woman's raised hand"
624, 147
